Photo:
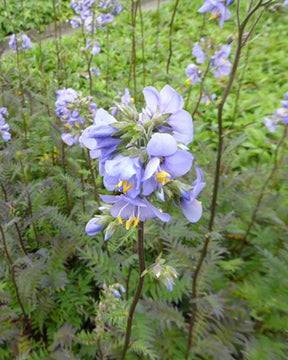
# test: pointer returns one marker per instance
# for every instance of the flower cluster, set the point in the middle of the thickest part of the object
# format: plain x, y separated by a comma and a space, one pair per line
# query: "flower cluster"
219, 63
4, 128
165, 273
74, 111
218, 8
20, 42
280, 116
141, 158
93, 14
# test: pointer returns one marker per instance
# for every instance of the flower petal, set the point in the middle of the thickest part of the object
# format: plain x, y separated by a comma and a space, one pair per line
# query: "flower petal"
192, 210
161, 145
178, 164
182, 125
170, 100
152, 98
151, 168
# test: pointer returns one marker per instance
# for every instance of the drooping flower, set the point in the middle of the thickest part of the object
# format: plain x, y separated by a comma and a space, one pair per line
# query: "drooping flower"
218, 8
168, 101
20, 42
98, 137
208, 98
133, 210
199, 54
193, 72
191, 207
219, 62
124, 174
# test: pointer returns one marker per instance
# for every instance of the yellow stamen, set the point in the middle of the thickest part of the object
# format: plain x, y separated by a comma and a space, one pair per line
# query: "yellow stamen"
77, 126
207, 103
136, 222
64, 117
129, 223
125, 185
68, 126
188, 81
132, 100
223, 62
120, 219
162, 177
214, 16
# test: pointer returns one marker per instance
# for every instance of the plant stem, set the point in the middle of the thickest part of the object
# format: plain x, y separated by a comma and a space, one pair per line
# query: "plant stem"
203, 253
142, 44
155, 55
107, 59
141, 256
9, 259
263, 189
96, 194
170, 37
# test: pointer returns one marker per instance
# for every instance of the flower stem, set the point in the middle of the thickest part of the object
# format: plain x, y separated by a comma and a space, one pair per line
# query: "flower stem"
170, 37
141, 256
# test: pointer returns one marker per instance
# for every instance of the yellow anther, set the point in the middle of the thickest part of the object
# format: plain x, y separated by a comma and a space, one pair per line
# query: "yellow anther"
125, 185
136, 221
68, 126
132, 100
207, 103
188, 81
162, 177
223, 62
77, 126
64, 117
129, 223
214, 16
120, 219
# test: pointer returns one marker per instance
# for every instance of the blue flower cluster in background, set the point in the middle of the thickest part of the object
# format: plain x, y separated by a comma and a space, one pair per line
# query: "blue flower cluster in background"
218, 8
4, 128
280, 116
20, 42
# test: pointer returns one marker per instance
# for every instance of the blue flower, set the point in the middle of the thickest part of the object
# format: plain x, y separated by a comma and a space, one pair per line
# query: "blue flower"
166, 163
168, 101
19, 43
193, 72
191, 207
219, 62
124, 174
218, 9
4, 128
133, 210
199, 54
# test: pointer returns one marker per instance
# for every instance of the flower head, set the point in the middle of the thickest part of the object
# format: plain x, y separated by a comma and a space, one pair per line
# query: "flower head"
193, 72
219, 62
20, 42
199, 54
218, 8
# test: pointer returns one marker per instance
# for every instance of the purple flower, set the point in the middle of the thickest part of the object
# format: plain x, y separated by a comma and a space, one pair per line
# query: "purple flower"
193, 72
168, 101
133, 210
4, 132
208, 98
124, 174
219, 62
93, 227
166, 162
126, 98
95, 71
191, 207
98, 137
19, 43
271, 125
96, 49
4, 128
218, 9
199, 54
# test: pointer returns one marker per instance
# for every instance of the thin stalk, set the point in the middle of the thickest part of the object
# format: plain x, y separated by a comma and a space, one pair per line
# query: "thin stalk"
263, 189
63, 158
107, 59
9, 259
201, 89
96, 193
170, 37
155, 55
141, 256
142, 44
57, 43
203, 253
